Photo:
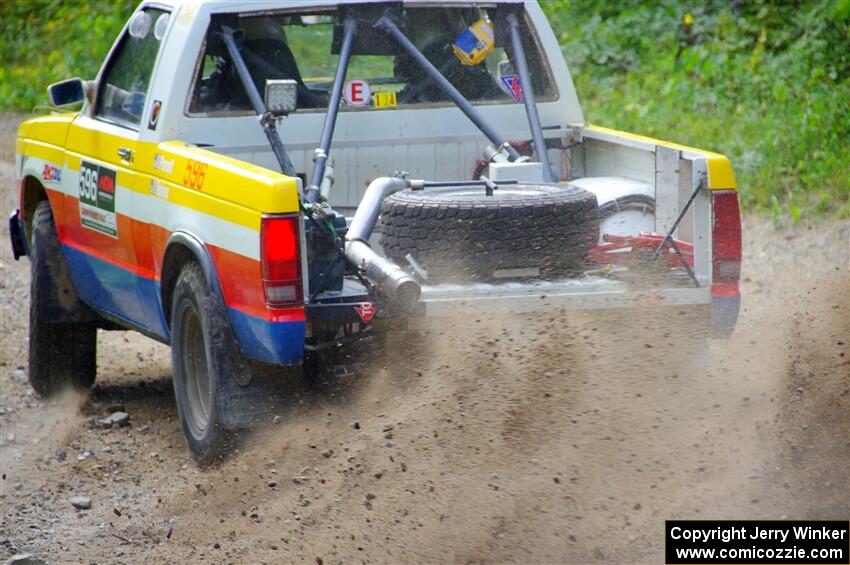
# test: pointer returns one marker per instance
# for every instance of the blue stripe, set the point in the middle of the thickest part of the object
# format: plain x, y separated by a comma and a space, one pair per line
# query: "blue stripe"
116, 291
120, 293
279, 343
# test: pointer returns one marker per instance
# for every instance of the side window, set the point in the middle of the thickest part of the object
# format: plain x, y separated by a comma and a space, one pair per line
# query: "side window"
127, 77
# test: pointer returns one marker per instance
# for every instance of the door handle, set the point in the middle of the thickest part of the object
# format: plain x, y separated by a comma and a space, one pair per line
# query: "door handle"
126, 154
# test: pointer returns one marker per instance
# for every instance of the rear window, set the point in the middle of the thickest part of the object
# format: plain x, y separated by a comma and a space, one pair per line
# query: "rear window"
461, 42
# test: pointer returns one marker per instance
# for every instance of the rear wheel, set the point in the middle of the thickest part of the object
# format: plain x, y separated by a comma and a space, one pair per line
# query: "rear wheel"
461, 234
218, 390
61, 353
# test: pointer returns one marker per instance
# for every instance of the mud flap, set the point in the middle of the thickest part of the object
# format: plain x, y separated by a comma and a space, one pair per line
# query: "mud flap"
17, 235
724, 315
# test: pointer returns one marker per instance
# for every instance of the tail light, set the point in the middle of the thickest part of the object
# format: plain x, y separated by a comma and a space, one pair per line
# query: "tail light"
280, 255
726, 243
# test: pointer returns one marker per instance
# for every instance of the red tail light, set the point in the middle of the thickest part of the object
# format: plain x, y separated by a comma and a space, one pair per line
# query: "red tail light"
726, 242
280, 255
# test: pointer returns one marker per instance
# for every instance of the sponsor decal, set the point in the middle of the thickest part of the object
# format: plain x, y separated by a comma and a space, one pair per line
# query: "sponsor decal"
159, 189
385, 100
513, 86
366, 311
357, 93
157, 106
97, 199
51, 173
160, 163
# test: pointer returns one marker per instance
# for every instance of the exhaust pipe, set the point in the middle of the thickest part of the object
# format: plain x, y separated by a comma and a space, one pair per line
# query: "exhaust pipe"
390, 279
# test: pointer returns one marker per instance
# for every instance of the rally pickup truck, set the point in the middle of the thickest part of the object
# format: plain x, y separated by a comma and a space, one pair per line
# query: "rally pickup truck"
256, 182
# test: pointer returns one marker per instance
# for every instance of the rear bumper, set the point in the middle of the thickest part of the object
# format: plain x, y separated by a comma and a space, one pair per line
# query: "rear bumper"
592, 293
716, 315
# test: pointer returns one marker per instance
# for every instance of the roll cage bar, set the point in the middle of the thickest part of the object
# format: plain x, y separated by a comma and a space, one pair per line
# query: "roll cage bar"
387, 23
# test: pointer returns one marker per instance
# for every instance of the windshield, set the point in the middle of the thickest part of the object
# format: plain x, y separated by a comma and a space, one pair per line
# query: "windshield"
461, 42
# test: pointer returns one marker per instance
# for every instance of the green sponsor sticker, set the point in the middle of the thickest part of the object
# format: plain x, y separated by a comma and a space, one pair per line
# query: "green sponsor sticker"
97, 198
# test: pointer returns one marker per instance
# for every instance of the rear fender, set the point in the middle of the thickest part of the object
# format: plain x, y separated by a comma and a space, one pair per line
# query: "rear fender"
282, 345
183, 247
30, 193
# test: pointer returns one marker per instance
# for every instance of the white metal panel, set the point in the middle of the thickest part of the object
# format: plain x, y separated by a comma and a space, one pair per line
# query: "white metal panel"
603, 152
701, 216
686, 179
608, 189
666, 188
606, 159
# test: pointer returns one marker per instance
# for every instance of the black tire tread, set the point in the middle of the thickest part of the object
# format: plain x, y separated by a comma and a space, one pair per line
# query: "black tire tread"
60, 354
236, 406
463, 240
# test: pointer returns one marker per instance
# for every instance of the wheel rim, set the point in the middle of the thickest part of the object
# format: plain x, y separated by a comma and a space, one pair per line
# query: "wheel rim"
196, 378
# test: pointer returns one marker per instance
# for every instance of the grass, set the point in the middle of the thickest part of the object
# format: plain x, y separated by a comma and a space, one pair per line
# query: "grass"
766, 83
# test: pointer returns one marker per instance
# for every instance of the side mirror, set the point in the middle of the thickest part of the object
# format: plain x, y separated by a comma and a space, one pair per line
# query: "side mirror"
66, 92
281, 96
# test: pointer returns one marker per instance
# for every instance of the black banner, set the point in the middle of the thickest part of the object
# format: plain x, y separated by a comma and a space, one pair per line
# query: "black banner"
693, 542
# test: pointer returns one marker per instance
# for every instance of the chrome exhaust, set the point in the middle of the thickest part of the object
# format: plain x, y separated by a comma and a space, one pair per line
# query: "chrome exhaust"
390, 279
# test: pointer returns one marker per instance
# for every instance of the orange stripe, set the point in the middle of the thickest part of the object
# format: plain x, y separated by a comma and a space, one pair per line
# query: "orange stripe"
120, 252
103, 257
143, 250
725, 289
242, 285
240, 278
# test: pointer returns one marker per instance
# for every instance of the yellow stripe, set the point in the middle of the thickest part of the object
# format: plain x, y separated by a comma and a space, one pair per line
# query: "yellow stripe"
40, 150
209, 205
233, 190
182, 196
225, 178
50, 129
720, 174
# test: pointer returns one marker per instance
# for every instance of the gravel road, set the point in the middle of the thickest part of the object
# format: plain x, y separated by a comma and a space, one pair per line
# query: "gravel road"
559, 440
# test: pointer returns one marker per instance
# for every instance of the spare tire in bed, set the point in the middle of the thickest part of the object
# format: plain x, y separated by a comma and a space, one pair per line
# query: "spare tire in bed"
460, 234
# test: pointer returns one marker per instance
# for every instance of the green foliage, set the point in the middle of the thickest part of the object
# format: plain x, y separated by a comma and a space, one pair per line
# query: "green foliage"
766, 83
45, 41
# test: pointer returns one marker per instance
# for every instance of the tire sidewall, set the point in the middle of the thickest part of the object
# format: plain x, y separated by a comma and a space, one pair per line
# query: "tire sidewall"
191, 293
